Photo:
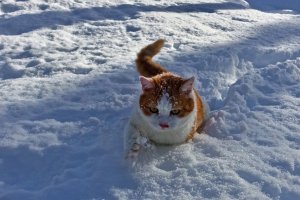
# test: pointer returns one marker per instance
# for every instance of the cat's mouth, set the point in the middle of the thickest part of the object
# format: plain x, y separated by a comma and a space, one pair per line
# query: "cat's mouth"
163, 125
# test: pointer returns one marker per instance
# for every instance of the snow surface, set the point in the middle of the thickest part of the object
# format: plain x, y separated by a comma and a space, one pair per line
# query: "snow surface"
68, 84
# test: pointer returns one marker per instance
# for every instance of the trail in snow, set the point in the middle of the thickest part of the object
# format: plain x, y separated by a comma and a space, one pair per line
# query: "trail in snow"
68, 83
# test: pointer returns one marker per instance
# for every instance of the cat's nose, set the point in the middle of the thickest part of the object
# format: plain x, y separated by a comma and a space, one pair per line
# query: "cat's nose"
164, 125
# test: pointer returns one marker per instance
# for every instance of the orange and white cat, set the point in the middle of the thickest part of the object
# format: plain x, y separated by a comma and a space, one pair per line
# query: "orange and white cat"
169, 109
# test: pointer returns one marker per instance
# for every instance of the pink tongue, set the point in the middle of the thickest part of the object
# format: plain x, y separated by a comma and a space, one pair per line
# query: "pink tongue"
164, 125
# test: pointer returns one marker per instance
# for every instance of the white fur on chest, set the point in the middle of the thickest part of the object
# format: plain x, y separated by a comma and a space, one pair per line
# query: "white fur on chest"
167, 136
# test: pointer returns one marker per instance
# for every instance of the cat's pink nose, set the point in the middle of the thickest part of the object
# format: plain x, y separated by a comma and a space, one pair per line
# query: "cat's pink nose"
163, 125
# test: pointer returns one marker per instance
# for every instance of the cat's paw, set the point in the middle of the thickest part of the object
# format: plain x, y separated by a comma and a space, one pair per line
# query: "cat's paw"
140, 151
144, 142
133, 154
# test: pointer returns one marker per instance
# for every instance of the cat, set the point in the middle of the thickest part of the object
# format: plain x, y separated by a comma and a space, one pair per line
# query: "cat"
169, 110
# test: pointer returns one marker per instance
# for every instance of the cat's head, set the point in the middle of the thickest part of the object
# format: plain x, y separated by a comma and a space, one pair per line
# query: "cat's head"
166, 100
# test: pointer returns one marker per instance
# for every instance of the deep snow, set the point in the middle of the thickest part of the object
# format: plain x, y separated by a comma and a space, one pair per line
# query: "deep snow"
68, 84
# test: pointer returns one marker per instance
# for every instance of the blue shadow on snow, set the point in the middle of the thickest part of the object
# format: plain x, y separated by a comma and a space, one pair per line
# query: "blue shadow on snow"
50, 19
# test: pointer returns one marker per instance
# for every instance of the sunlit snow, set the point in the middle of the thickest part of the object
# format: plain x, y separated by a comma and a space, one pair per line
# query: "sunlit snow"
68, 84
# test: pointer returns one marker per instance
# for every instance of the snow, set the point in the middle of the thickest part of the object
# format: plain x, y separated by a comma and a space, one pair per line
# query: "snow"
68, 84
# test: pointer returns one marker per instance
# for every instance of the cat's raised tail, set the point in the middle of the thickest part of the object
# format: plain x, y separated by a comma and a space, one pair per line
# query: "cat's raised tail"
145, 65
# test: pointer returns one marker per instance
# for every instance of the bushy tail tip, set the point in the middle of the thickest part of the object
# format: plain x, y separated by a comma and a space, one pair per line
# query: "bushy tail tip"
152, 49
145, 64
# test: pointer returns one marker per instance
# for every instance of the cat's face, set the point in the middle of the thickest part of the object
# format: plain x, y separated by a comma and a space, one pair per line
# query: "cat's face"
166, 100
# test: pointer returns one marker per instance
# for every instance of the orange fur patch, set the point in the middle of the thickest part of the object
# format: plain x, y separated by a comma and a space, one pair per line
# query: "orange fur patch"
199, 118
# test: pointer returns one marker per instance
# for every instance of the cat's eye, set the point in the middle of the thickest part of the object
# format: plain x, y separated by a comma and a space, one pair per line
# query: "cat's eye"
175, 112
153, 110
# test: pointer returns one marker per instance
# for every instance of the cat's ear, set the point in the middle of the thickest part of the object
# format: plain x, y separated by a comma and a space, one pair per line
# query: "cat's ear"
187, 85
147, 83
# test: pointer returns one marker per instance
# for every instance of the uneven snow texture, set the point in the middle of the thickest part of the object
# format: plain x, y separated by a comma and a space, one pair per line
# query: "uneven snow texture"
68, 84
